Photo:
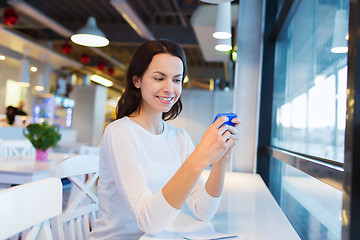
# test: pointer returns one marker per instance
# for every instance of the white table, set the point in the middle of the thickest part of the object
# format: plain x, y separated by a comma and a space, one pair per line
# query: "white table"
247, 209
19, 170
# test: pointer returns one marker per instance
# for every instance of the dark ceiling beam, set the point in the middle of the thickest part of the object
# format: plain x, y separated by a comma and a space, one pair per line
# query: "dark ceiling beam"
179, 34
206, 72
125, 10
144, 8
178, 10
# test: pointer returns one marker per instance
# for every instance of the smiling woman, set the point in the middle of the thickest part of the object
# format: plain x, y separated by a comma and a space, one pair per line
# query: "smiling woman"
148, 168
160, 90
139, 66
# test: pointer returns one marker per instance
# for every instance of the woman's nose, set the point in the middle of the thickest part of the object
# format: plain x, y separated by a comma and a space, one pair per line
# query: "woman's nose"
168, 86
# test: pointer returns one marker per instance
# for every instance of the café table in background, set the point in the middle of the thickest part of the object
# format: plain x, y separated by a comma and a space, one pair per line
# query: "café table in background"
24, 169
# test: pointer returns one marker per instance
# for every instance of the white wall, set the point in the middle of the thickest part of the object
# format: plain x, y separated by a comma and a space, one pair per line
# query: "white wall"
6, 72
199, 110
89, 113
247, 82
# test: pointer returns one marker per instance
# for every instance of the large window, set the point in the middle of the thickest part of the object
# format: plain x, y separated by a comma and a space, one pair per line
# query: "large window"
308, 118
310, 80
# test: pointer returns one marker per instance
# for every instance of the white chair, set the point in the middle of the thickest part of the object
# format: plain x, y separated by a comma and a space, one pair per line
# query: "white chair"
76, 221
89, 150
13, 148
26, 209
84, 150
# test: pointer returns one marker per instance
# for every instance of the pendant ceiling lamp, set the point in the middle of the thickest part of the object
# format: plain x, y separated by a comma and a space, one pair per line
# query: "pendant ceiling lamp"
90, 35
340, 43
223, 21
223, 45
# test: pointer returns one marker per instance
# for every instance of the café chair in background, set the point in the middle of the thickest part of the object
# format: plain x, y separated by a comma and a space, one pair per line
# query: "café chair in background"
78, 218
14, 148
26, 209
89, 150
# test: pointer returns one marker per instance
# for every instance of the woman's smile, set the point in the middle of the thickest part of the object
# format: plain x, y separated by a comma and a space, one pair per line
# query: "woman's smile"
165, 100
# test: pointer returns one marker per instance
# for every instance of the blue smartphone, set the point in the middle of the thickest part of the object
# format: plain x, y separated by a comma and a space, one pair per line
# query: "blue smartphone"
229, 115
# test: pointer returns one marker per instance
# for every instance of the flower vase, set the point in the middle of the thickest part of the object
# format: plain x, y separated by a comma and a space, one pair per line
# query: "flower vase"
41, 155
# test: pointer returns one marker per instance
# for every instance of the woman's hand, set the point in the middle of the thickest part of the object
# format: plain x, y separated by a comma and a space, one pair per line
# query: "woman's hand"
215, 182
226, 156
217, 140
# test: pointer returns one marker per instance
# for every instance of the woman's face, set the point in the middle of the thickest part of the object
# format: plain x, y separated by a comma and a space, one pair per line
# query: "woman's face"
161, 84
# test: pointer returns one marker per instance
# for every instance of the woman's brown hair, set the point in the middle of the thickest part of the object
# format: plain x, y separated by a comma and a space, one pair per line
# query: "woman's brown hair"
131, 99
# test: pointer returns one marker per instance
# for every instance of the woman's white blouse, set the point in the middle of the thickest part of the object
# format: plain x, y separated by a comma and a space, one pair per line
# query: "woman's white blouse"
134, 166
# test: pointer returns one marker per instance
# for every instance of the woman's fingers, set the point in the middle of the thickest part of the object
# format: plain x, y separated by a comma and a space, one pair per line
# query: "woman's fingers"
229, 128
220, 121
226, 136
229, 136
236, 121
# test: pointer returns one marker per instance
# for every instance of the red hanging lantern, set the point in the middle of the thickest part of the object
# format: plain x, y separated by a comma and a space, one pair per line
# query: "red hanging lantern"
66, 48
85, 58
10, 17
111, 70
100, 65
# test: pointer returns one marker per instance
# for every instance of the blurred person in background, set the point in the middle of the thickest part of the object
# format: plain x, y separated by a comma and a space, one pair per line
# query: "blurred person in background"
20, 109
10, 114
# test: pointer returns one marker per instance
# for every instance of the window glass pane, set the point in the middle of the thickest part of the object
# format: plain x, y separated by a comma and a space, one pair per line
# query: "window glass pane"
310, 77
313, 208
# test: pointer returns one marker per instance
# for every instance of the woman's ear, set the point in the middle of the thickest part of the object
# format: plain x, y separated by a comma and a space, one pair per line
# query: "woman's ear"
136, 81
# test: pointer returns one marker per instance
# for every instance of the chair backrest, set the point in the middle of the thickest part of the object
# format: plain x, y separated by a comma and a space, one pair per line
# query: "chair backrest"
13, 148
77, 220
26, 209
89, 150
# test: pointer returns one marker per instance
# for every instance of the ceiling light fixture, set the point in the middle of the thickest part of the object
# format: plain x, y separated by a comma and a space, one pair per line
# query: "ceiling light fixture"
223, 21
90, 35
100, 80
39, 88
33, 69
339, 43
223, 45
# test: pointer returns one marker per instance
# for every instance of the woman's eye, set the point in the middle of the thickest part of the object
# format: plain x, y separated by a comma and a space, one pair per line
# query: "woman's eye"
177, 80
159, 79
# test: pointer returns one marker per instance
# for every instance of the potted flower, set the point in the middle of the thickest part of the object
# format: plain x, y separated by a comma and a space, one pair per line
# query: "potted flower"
42, 136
